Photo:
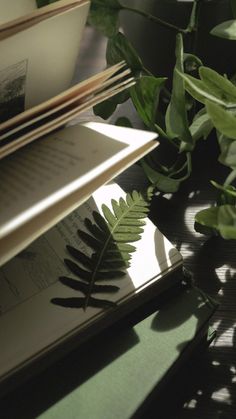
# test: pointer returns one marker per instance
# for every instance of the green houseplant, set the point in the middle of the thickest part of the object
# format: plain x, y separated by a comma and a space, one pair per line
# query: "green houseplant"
170, 98
172, 107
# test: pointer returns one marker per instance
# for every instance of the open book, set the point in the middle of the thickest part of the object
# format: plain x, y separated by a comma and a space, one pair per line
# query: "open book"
39, 48
44, 181
31, 326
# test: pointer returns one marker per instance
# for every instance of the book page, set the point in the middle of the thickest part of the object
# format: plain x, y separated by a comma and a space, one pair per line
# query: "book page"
56, 121
88, 86
12, 9
41, 264
36, 197
46, 170
31, 58
30, 323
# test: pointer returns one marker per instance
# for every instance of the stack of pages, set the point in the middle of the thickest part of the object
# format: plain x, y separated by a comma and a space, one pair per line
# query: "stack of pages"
54, 182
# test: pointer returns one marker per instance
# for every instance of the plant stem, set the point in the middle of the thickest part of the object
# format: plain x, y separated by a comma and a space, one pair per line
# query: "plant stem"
193, 17
233, 8
156, 20
193, 24
160, 131
231, 177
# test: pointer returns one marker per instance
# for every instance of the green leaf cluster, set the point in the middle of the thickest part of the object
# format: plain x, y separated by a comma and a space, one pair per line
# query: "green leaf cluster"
150, 92
218, 94
146, 95
173, 114
109, 237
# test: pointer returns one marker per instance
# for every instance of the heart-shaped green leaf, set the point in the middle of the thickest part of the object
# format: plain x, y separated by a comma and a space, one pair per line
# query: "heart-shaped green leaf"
219, 86
201, 125
222, 218
223, 120
119, 49
145, 97
228, 151
104, 16
225, 30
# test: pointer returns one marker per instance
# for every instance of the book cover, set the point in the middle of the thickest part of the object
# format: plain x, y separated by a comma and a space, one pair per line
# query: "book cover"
115, 376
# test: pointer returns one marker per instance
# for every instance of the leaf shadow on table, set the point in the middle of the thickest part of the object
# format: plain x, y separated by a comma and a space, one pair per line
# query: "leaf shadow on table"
211, 387
204, 388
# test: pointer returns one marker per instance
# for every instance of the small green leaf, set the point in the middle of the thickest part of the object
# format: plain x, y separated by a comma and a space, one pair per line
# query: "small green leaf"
191, 62
119, 49
42, 3
104, 16
145, 96
222, 218
199, 90
129, 229
227, 221
176, 115
116, 208
225, 30
162, 182
219, 86
231, 190
208, 217
109, 216
168, 179
201, 125
229, 157
227, 194
223, 120
125, 247
122, 121
105, 109
224, 143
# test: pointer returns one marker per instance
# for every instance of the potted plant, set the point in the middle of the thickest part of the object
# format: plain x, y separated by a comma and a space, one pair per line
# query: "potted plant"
173, 109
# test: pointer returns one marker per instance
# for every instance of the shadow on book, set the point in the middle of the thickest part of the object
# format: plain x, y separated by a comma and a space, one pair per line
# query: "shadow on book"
120, 370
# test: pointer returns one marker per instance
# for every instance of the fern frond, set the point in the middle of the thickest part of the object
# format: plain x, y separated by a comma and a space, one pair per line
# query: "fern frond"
109, 236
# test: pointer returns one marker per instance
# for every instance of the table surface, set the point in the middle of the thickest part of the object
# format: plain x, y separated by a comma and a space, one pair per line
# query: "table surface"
211, 390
